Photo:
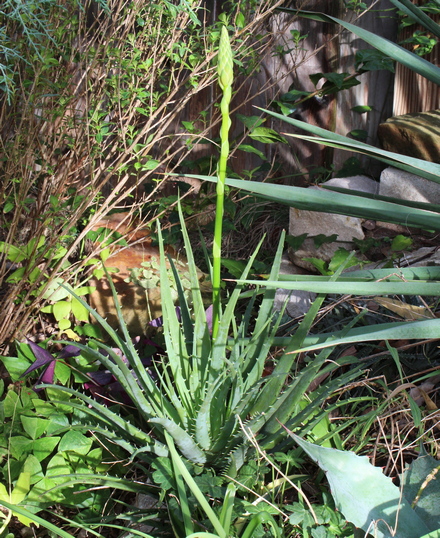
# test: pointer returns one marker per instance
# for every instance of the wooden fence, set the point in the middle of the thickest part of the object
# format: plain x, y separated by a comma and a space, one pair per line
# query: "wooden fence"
325, 49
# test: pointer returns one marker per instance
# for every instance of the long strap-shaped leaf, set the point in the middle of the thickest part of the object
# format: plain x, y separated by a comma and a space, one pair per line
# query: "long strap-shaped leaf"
356, 288
418, 15
114, 422
401, 55
412, 330
427, 169
393, 274
322, 200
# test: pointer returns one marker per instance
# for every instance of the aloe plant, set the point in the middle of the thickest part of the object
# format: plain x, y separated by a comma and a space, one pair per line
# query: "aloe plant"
205, 387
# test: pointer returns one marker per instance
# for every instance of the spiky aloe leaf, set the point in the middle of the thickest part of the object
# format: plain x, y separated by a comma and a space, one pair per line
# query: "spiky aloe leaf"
323, 200
364, 495
183, 440
114, 422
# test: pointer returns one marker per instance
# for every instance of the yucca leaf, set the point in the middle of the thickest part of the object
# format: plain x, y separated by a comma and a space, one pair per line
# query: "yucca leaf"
323, 200
418, 15
356, 288
274, 384
427, 169
408, 203
201, 350
398, 53
394, 274
219, 349
411, 330
305, 419
255, 352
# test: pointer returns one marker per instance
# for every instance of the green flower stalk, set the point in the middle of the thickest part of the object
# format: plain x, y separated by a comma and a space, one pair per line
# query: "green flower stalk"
225, 78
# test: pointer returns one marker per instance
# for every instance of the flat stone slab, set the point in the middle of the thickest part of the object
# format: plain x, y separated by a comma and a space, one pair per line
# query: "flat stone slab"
297, 302
406, 186
328, 224
416, 135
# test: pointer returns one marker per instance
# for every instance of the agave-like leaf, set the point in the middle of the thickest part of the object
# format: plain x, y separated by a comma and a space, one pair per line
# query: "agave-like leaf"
356, 288
395, 274
187, 446
276, 380
393, 200
398, 53
256, 351
411, 330
418, 15
427, 169
219, 349
323, 200
115, 423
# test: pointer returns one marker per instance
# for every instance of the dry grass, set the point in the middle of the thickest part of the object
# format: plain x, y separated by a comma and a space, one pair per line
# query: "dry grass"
83, 128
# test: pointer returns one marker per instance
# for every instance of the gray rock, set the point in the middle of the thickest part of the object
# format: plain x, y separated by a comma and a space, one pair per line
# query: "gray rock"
406, 186
355, 183
298, 301
314, 223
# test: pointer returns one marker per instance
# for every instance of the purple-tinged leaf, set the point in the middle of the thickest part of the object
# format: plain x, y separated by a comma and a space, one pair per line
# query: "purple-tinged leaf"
158, 322
42, 356
69, 351
99, 378
48, 374
208, 314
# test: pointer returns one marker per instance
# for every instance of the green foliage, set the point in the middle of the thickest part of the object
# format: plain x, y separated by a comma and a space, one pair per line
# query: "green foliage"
207, 385
88, 105
363, 205
385, 510
341, 257
42, 447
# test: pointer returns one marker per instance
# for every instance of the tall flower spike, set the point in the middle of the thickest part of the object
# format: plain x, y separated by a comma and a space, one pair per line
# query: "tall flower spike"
225, 71
225, 67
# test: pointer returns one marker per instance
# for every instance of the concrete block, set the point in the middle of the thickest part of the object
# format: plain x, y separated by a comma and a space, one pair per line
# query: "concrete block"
406, 186
298, 301
314, 223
